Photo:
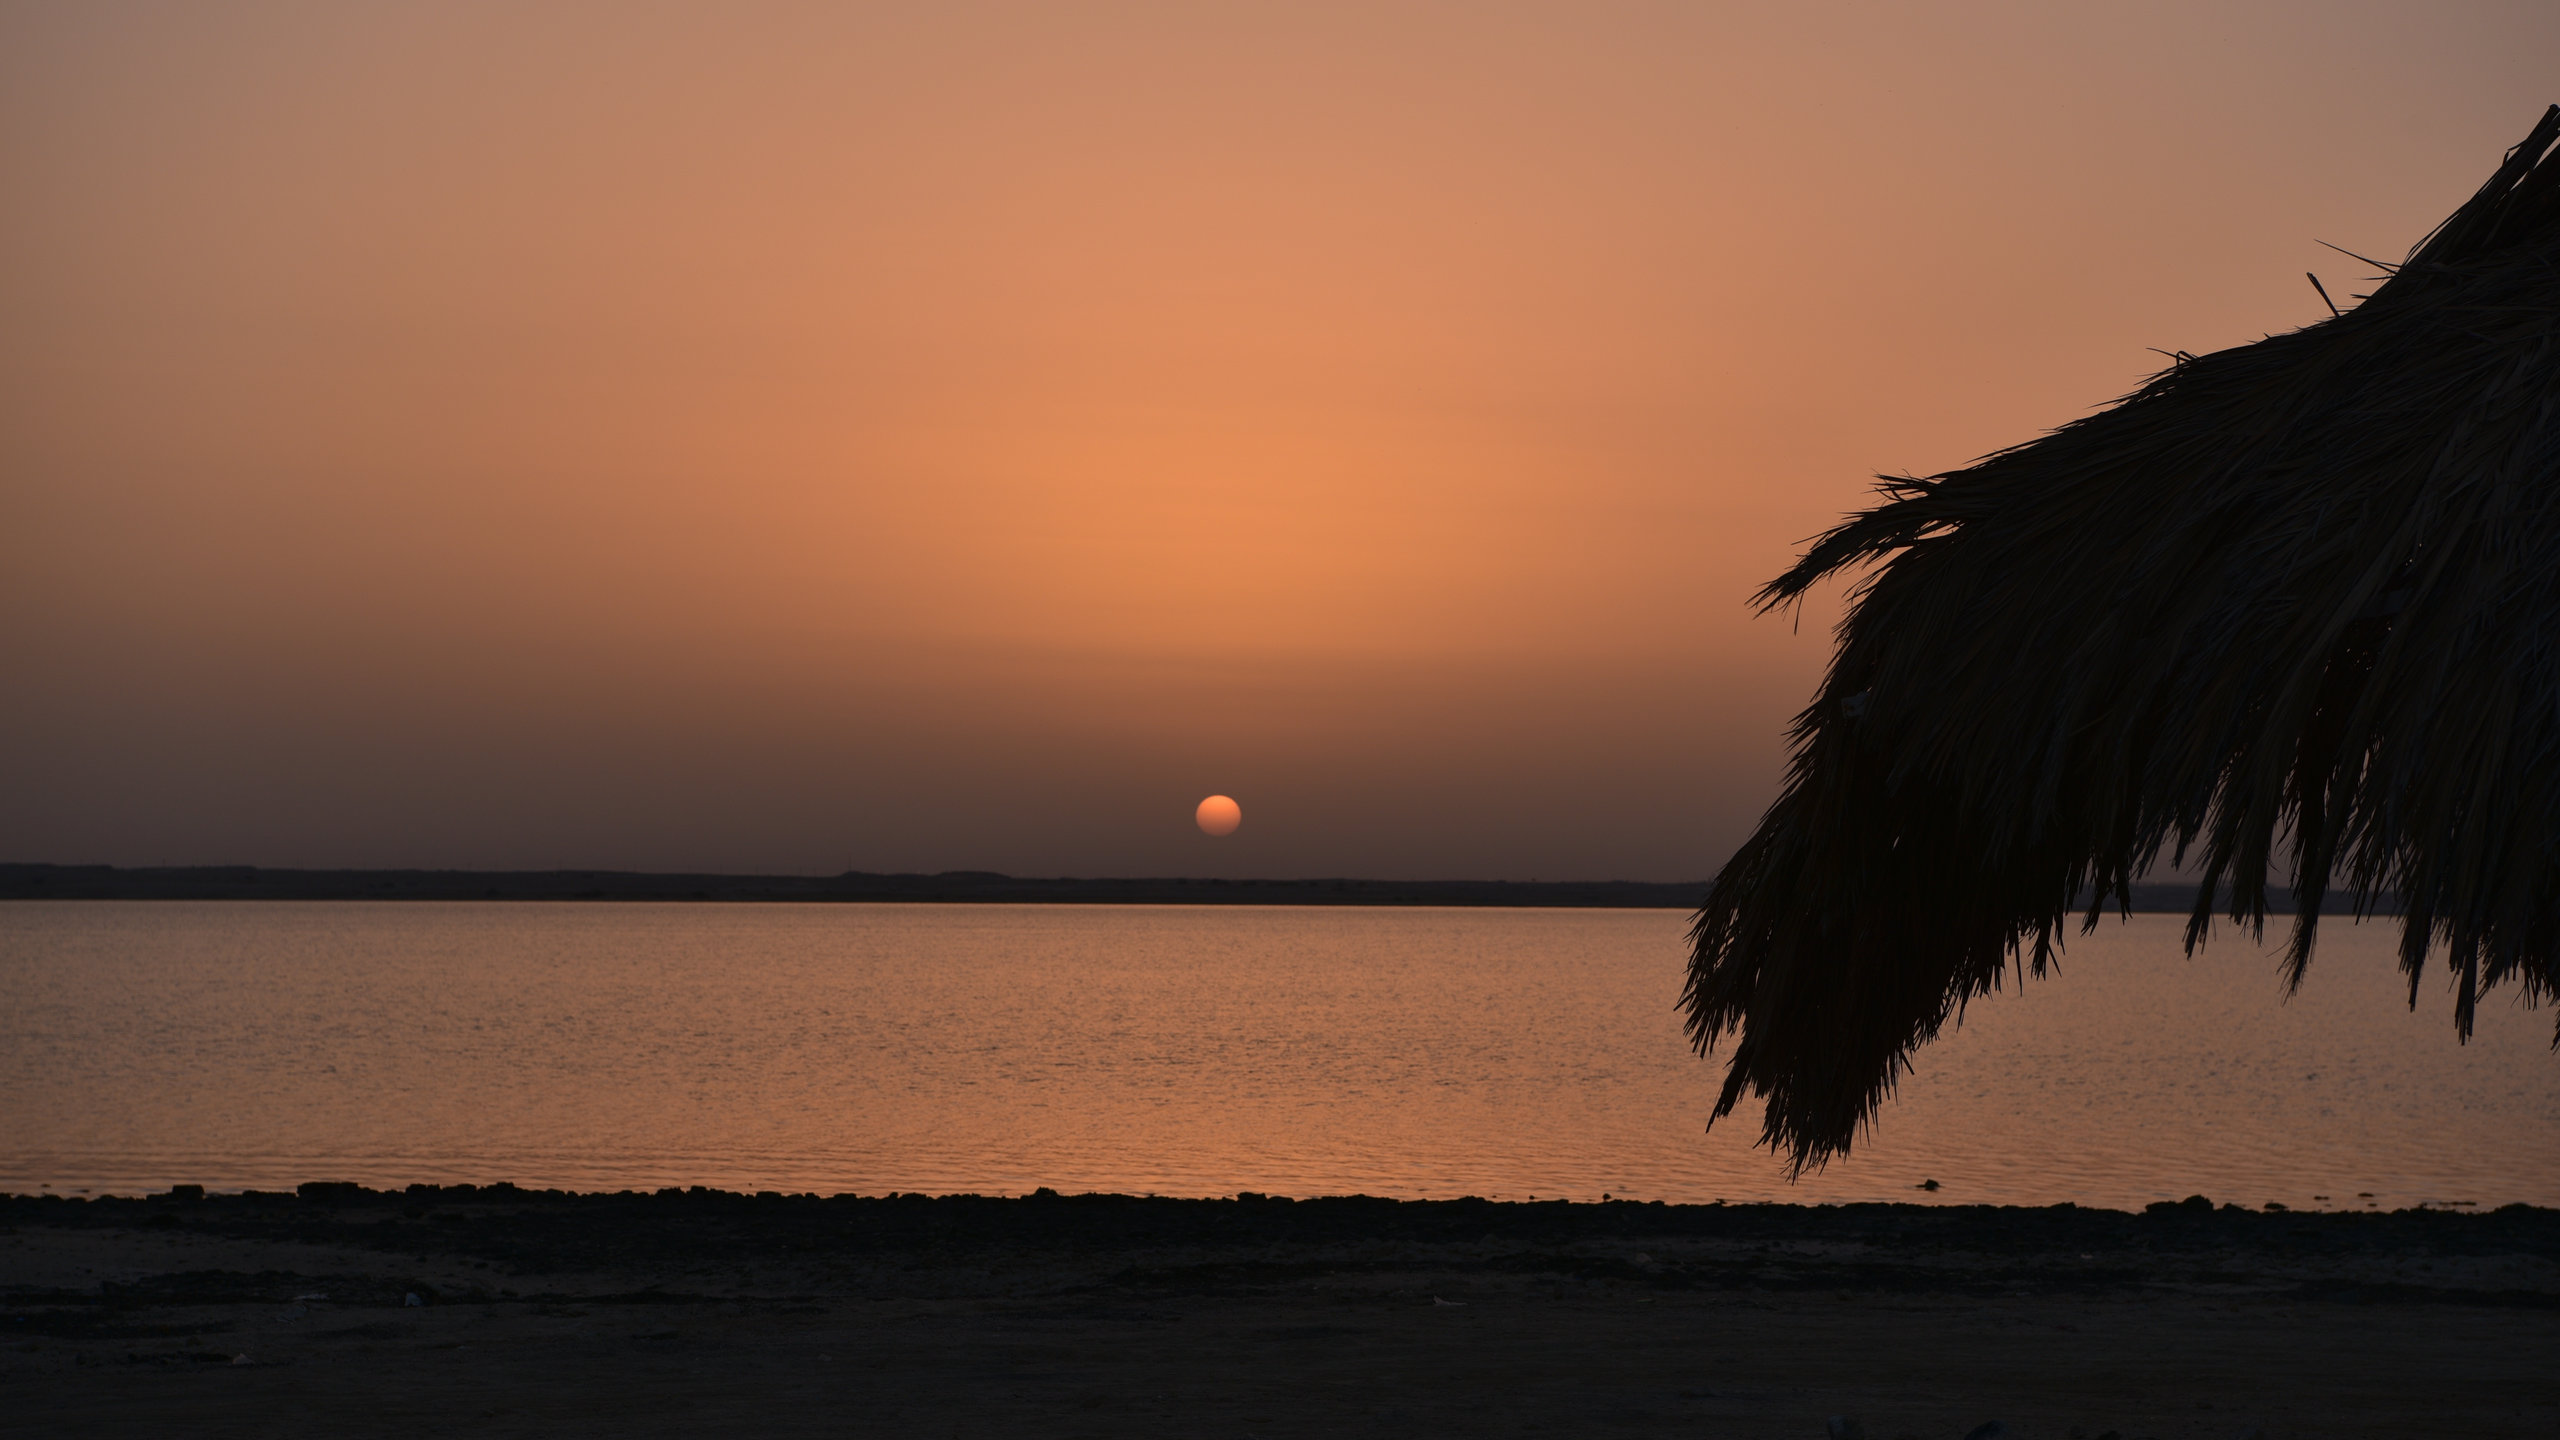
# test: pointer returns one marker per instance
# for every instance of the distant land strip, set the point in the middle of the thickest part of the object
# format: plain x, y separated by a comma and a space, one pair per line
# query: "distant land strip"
248, 882
243, 882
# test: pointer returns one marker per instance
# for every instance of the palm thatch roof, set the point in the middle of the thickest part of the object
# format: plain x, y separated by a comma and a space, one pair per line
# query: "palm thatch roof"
2296, 603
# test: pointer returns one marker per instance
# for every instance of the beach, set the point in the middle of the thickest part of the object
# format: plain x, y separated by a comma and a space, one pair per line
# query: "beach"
692, 1311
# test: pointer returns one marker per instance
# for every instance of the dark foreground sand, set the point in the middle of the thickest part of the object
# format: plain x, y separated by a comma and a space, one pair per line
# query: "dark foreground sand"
709, 1313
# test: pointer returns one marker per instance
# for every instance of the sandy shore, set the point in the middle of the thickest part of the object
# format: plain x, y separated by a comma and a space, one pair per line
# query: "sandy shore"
1102, 1315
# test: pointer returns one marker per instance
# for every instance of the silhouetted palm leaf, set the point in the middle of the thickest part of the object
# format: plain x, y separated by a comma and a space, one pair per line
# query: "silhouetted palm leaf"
2290, 603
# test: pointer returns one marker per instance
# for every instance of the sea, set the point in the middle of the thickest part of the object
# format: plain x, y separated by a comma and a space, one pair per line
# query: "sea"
1194, 1051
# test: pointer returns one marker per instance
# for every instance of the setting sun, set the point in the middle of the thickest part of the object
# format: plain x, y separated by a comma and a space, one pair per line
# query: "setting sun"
1218, 815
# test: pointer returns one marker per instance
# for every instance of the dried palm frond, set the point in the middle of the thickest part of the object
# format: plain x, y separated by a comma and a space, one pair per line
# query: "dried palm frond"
2296, 602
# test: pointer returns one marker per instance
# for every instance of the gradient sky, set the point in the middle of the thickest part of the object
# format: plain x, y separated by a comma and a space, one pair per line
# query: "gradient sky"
915, 437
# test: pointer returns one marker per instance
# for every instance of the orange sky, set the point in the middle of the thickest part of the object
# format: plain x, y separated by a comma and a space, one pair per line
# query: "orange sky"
809, 437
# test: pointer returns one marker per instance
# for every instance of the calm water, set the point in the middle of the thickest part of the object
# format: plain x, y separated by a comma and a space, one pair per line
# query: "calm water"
1182, 1051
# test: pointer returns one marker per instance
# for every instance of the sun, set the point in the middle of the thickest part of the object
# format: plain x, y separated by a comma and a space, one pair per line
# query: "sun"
1218, 815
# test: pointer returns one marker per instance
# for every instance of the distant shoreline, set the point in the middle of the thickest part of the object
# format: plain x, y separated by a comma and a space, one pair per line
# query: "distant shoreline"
248, 882
242, 882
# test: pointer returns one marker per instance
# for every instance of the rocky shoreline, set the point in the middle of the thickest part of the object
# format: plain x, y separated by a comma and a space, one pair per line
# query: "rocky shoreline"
513, 1311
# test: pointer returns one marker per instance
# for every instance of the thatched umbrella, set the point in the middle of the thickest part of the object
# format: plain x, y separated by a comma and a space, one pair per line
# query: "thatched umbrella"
2294, 602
